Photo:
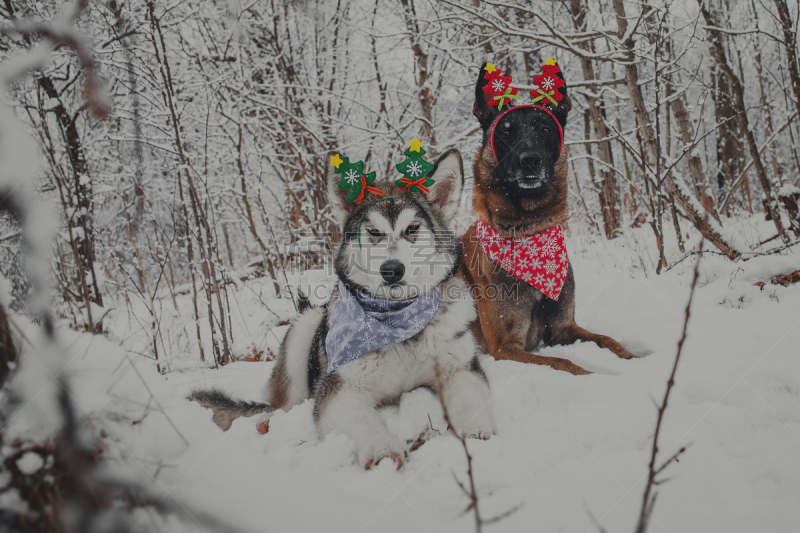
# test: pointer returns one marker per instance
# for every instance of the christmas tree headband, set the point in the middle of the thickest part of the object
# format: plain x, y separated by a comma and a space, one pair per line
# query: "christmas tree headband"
546, 91
414, 170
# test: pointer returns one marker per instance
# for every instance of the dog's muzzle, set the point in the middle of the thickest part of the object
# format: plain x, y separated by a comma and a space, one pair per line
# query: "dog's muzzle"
531, 173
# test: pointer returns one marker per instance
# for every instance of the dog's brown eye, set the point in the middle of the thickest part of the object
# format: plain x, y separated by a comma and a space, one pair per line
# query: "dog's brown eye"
374, 232
412, 229
506, 133
545, 130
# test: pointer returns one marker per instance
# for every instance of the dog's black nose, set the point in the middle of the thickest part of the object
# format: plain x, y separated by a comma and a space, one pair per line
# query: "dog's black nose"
530, 160
392, 271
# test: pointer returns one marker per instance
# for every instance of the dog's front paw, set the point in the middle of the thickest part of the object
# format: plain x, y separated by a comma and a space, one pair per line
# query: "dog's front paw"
576, 370
565, 365
374, 452
396, 457
262, 423
478, 427
556, 363
614, 346
625, 354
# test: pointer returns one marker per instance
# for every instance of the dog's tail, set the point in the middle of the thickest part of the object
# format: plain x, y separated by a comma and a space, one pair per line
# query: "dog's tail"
303, 302
225, 408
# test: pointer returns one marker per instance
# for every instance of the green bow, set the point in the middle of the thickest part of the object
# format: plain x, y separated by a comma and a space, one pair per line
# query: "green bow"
504, 97
544, 95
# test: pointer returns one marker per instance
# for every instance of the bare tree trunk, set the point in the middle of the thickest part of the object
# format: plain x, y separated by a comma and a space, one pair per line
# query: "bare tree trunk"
684, 197
424, 94
678, 104
201, 218
686, 129
192, 276
248, 211
790, 43
8, 351
730, 150
718, 50
84, 208
609, 201
583, 201
673, 211
487, 45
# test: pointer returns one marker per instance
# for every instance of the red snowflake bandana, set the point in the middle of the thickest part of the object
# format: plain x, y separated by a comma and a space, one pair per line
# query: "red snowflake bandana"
539, 260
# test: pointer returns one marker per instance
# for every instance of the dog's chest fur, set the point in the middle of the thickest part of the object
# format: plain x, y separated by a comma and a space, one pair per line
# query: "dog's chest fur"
533, 311
388, 372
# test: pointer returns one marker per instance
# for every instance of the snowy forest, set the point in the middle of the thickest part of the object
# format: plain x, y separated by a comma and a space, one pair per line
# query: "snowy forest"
162, 198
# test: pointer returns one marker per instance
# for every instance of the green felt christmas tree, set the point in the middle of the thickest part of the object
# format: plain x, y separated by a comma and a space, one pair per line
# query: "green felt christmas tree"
354, 178
414, 169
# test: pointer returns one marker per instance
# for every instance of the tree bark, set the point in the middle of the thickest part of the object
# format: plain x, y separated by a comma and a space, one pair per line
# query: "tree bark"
730, 150
718, 51
424, 94
8, 350
84, 208
609, 200
200, 216
789, 200
687, 133
684, 197
790, 43
686, 129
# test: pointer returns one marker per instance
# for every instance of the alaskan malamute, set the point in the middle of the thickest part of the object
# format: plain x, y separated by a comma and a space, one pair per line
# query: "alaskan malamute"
396, 311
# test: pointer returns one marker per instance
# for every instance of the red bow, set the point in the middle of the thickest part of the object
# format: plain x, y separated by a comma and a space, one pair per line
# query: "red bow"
418, 184
364, 188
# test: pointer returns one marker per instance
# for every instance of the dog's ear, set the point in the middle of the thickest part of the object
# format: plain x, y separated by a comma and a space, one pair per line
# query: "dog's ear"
337, 197
448, 175
564, 106
484, 112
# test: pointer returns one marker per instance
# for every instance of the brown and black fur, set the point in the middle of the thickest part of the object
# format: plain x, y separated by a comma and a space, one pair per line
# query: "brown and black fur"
225, 408
511, 328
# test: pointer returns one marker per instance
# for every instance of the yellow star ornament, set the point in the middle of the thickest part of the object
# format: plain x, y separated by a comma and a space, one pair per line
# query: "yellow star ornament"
490, 68
336, 160
550, 61
415, 145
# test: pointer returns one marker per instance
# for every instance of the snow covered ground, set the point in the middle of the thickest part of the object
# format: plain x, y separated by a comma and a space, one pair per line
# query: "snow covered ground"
567, 448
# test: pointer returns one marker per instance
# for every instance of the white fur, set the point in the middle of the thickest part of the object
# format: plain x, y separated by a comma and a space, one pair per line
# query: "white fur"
425, 267
353, 413
298, 346
347, 400
467, 397
449, 177
385, 374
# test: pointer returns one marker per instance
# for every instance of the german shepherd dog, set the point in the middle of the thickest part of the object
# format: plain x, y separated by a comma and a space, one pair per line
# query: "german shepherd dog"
394, 249
521, 190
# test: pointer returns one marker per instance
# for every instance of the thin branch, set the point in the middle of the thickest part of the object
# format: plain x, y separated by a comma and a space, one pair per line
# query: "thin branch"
648, 501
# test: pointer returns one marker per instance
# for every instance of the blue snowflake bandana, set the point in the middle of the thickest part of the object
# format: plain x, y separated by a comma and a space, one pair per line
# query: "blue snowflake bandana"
361, 323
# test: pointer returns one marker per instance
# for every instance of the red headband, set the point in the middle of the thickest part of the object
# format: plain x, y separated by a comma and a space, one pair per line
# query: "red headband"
560, 131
